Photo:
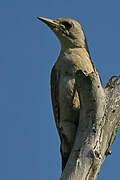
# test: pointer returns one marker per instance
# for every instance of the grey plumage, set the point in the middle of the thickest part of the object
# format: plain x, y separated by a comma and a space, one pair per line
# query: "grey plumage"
74, 56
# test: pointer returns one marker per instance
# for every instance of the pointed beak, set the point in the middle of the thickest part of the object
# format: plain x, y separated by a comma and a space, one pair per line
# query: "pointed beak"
49, 22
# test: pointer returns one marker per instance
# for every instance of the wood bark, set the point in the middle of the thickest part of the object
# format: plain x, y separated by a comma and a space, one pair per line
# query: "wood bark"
98, 124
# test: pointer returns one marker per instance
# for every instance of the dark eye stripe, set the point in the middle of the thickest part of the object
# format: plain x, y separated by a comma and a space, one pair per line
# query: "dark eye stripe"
66, 24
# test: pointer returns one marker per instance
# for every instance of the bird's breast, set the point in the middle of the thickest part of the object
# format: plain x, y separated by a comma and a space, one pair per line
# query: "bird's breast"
69, 103
66, 88
75, 59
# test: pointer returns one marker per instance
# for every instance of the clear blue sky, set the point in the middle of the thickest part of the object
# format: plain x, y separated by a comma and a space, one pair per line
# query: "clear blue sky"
29, 144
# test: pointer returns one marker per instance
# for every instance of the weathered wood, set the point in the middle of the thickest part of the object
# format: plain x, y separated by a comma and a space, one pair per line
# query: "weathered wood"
98, 123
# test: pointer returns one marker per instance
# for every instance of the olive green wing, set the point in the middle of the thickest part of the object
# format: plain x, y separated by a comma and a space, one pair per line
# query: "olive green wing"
55, 75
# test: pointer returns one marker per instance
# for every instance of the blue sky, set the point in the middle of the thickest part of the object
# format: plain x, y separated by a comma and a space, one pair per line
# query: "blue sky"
29, 143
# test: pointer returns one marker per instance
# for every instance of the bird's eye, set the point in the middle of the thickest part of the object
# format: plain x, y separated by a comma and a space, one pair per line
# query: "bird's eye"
67, 25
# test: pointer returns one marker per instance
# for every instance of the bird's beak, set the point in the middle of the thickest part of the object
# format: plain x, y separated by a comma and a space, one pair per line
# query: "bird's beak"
49, 22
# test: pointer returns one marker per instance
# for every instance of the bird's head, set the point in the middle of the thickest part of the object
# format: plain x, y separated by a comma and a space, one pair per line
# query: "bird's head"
68, 31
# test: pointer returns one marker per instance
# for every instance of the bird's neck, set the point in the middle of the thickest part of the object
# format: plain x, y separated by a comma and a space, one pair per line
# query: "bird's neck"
77, 51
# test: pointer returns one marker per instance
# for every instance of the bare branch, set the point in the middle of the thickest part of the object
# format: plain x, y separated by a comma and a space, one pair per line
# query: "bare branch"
98, 123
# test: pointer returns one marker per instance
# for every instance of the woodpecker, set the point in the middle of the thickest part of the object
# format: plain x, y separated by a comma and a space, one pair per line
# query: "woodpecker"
74, 56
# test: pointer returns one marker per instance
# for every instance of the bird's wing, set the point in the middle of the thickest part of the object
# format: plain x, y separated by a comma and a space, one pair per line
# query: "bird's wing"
55, 75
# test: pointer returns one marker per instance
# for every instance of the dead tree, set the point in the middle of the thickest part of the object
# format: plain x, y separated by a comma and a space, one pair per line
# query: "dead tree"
98, 123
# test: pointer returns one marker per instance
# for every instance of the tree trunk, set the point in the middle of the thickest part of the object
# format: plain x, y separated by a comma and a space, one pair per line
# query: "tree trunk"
98, 123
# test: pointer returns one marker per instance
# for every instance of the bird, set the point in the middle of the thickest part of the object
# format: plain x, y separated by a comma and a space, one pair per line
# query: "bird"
74, 56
